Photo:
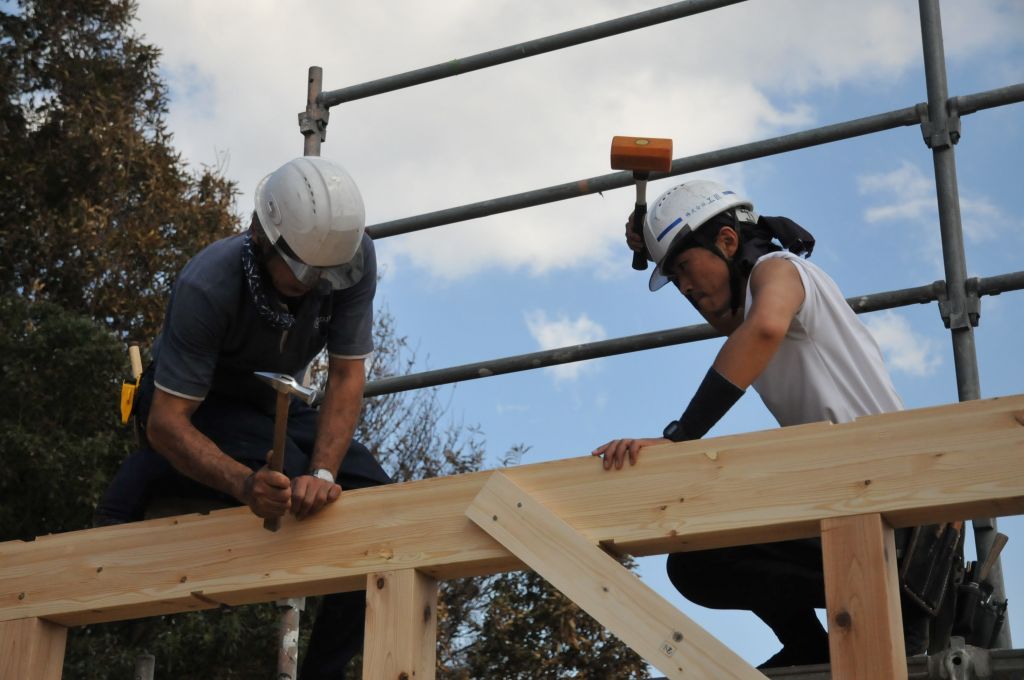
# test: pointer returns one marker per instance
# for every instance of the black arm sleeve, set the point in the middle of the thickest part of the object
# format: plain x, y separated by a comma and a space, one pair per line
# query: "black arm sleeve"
713, 399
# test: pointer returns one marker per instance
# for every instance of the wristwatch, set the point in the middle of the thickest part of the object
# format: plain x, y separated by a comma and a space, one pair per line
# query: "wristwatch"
674, 432
324, 474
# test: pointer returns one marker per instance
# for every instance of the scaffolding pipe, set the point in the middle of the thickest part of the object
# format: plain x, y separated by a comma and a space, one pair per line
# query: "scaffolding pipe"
735, 154
942, 131
313, 121
531, 48
680, 166
1001, 96
673, 336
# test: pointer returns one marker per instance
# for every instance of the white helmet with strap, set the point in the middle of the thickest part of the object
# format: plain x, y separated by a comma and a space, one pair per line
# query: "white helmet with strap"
312, 212
682, 210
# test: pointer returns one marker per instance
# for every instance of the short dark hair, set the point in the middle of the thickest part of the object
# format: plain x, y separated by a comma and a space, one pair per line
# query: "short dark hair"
704, 236
259, 237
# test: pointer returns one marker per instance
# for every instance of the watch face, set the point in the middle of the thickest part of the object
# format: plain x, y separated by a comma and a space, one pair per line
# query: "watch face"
671, 430
324, 475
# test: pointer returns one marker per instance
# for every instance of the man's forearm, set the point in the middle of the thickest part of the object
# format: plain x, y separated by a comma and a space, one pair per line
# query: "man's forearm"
339, 414
194, 455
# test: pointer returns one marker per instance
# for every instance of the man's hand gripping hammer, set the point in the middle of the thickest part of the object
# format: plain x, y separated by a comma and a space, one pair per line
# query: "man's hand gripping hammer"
286, 387
642, 155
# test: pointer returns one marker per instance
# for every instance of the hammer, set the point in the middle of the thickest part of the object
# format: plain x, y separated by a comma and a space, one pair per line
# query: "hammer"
641, 155
286, 388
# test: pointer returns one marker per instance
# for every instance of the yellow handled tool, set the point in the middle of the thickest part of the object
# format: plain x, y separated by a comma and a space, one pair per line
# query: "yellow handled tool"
128, 389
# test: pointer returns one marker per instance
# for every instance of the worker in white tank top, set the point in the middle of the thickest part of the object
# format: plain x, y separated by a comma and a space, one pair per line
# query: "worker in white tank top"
793, 337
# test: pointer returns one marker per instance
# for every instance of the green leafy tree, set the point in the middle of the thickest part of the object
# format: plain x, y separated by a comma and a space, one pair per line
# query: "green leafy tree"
59, 434
530, 631
97, 210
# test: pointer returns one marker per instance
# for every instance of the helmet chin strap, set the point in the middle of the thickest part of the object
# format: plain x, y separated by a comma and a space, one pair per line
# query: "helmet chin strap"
735, 276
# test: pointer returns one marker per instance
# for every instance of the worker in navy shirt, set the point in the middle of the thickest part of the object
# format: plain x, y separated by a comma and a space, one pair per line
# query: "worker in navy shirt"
301, 278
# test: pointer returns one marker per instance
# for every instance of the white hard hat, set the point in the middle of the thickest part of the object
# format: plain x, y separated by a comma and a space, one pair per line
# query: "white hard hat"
682, 210
311, 210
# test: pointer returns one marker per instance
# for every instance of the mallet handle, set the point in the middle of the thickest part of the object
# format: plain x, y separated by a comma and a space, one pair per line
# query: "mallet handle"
639, 213
276, 462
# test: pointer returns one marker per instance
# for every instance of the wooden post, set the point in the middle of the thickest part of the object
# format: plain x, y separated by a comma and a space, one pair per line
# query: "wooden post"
863, 597
664, 636
31, 648
401, 626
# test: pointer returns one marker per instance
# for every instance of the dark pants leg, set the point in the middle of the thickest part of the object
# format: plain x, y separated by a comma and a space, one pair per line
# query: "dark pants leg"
782, 583
338, 633
246, 434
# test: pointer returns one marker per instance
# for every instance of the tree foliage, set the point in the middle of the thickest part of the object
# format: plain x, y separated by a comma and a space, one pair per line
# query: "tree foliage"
97, 210
59, 435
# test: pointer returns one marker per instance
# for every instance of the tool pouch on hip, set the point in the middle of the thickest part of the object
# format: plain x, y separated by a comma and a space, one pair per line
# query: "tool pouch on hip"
979, 616
932, 561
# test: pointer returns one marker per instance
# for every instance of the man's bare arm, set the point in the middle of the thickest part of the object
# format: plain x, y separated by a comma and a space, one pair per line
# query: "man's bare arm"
171, 433
339, 413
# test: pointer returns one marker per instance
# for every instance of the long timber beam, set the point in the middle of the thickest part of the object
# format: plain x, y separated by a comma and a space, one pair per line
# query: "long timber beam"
935, 464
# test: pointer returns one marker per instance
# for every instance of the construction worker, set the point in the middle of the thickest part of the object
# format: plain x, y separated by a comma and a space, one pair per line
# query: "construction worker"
793, 337
301, 278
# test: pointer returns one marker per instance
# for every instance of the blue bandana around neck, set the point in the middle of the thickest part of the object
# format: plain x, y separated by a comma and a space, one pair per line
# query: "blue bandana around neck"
277, 318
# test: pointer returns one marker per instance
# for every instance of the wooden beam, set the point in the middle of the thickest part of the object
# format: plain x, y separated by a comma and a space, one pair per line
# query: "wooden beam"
937, 464
664, 636
862, 592
401, 626
31, 648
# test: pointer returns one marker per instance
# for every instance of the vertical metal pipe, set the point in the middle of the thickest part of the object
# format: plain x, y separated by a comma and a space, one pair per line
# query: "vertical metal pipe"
315, 119
145, 667
941, 136
289, 613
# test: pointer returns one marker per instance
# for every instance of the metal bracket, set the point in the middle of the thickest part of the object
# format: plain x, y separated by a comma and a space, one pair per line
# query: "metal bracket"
957, 318
944, 133
314, 121
960, 662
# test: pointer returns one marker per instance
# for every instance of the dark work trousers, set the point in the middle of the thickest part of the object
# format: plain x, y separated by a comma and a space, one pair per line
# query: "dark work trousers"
246, 434
782, 583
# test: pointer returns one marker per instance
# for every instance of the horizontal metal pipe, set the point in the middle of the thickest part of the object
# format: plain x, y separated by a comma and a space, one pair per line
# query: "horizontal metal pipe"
616, 180
673, 336
712, 159
994, 285
969, 103
523, 50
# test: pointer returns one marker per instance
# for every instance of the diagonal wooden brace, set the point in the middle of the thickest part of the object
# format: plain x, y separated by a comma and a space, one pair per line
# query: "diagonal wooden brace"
606, 590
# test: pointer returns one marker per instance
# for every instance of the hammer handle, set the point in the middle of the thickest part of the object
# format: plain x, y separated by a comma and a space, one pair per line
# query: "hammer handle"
639, 213
135, 357
276, 462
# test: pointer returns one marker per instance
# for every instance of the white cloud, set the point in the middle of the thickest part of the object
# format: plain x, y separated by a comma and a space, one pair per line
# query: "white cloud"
907, 194
237, 72
564, 332
905, 351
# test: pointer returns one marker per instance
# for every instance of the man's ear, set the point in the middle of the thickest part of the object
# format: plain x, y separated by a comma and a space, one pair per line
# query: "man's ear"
728, 241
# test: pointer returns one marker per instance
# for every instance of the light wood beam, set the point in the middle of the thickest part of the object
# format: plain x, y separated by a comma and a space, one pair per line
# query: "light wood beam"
913, 467
31, 648
862, 592
664, 636
401, 626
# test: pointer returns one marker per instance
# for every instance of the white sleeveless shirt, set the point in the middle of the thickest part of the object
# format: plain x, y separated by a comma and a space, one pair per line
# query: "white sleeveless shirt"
829, 366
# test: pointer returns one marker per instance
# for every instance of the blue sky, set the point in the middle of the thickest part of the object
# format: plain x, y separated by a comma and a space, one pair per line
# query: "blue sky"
559, 274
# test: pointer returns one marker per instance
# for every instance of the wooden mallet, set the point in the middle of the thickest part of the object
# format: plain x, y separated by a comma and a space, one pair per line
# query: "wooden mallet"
642, 155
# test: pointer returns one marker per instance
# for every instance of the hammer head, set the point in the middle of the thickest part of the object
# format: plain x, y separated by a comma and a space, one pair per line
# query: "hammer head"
641, 154
287, 384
